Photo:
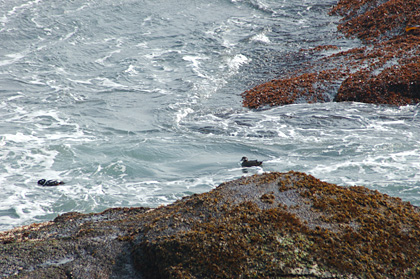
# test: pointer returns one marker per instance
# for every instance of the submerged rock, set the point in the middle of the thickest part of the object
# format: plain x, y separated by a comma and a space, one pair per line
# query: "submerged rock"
288, 225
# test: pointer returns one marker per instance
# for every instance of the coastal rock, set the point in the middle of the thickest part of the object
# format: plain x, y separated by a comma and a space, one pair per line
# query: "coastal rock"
396, 85
73, 245
288, 225
385, 71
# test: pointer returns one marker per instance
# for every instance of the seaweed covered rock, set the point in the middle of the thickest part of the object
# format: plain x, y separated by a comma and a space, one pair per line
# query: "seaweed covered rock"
74, 245
288, 225
391, 28
396, 85
384, 71
374, 20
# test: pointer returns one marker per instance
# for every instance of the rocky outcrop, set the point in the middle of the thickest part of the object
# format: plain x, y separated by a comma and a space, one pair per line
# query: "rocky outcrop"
74, 245
288, 225
384, 71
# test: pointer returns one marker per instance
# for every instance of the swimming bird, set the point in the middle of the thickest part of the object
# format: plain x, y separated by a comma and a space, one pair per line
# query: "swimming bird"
44, 182
252, 163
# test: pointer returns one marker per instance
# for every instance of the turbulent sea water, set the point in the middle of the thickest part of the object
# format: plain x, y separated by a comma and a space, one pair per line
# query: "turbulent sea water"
137, 103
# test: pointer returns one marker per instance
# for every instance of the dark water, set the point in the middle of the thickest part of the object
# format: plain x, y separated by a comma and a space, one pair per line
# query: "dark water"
137, 103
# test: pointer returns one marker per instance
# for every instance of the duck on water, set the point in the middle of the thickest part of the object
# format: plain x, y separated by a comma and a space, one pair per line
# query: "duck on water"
245, 164
44, 182
253, 163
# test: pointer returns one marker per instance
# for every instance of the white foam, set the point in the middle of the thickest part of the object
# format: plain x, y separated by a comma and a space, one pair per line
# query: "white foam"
131, 70
86, 82
106, 82
237, 61
69, 35
106, 57
18, 138
23, 7
3, 20
261, 37
22, 204
195, 64
15, 57
182, 113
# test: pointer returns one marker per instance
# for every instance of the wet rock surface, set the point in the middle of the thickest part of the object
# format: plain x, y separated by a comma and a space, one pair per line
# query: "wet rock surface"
74, 245
288, 225
383, 71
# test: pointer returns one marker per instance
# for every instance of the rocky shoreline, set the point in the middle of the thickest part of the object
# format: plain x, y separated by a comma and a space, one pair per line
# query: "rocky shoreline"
288, 225
386, 70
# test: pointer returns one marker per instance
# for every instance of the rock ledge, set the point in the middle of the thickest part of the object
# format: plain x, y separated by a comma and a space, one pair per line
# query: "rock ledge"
385, 70
288, 225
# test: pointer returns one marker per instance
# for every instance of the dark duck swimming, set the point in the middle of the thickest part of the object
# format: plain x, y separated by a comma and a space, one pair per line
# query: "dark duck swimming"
253, 163
44, 182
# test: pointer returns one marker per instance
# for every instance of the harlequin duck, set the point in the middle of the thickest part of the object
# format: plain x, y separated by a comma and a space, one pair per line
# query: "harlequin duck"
44, 182
252, 163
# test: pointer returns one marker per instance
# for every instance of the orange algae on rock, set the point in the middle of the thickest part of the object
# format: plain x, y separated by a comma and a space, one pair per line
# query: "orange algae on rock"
383, 72
309, 229
288, 225
371, 20
307, 87
397, 85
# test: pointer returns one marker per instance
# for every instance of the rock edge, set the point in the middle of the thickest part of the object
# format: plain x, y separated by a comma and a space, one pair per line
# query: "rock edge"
288, 225
385, 70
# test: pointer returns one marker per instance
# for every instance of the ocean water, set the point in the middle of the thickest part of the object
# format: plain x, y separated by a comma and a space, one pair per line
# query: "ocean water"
137, 103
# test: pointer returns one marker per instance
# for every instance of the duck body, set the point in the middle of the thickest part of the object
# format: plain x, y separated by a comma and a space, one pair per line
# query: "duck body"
44, 182
247, 164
